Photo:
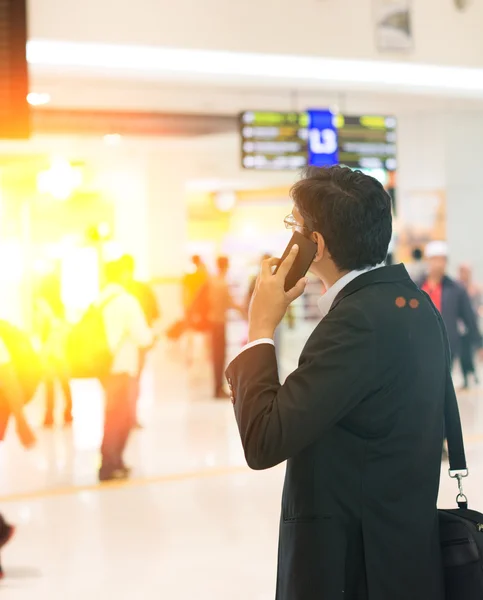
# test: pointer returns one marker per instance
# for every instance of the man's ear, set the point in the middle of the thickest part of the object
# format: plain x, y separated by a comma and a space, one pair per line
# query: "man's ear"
319, 240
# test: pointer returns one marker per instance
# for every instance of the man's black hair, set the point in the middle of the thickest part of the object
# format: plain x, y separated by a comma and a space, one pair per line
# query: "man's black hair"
351, 211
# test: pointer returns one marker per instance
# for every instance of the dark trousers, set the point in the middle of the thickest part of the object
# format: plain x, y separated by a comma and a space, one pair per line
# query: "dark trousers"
119, 419
57, 372
467, 356
218, 341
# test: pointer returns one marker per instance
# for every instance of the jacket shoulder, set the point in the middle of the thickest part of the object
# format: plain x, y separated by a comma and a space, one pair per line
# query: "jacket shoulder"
347, 318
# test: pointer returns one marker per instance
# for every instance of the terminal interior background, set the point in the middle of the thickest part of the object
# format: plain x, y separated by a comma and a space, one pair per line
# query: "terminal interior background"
135, 148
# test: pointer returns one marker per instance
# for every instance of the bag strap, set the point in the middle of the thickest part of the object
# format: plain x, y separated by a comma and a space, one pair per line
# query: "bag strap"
452, 422
456, 447
454, 433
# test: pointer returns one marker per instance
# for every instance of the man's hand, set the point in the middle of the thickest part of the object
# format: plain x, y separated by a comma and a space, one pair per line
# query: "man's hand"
270, 301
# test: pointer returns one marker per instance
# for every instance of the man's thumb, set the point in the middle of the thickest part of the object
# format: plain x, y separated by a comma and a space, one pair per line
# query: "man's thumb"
298, 290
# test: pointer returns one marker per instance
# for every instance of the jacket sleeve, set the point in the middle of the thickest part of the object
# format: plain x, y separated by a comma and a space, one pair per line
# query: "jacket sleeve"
468, 316
335, 373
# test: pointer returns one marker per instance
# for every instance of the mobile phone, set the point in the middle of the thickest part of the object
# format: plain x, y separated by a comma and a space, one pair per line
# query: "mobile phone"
303, 260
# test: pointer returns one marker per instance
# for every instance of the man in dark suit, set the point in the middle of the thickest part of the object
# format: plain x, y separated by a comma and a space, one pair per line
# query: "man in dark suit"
361, 419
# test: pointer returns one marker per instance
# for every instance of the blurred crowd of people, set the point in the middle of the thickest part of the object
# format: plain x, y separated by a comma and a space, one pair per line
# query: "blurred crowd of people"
123, 324
112, 340
114, 336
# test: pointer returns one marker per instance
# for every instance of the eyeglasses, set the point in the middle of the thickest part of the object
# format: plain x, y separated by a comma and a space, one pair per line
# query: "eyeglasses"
292, 223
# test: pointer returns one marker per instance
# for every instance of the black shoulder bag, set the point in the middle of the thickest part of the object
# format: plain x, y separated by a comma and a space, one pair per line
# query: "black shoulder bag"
461, 529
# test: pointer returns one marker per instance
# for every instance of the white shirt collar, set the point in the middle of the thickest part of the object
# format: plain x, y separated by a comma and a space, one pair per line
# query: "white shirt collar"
325, 302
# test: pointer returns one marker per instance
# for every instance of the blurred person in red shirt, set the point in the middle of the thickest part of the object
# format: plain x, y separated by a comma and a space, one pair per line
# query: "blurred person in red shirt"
194, 304
450, 298
194, 281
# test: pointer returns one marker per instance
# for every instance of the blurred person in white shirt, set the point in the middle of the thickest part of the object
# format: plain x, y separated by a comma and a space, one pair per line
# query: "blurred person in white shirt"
127, 333
146, 296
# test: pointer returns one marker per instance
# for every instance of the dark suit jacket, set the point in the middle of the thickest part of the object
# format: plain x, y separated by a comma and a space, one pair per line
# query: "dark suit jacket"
361, 425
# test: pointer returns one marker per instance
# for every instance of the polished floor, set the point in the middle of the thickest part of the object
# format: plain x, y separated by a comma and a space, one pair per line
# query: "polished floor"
193, 522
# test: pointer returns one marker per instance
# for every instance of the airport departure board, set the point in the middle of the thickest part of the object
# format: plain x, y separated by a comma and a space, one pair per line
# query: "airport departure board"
14, 109
293, 140
367, 142
274, 140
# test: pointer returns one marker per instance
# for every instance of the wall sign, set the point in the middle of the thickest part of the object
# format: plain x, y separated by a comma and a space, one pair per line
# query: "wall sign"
462, 4
393, 25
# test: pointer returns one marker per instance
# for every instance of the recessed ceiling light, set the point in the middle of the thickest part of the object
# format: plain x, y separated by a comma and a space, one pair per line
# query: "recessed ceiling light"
38, 99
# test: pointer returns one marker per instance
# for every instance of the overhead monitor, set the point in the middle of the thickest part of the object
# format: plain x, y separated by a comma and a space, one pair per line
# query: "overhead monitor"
367, 142
274, 140
292, 140
14, 109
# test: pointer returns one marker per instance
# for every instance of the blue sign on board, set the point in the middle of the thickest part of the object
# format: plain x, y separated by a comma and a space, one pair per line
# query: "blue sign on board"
322, 139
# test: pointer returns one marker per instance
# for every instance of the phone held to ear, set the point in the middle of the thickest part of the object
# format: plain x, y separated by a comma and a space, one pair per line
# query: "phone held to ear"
305, 257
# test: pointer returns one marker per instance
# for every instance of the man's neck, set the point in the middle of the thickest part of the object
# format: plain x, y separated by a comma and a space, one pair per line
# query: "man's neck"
332, 276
